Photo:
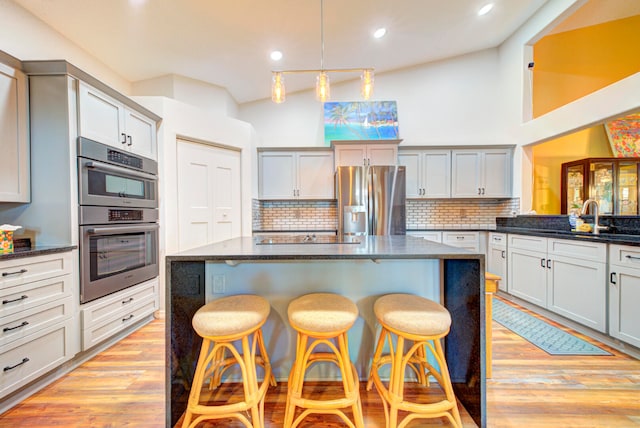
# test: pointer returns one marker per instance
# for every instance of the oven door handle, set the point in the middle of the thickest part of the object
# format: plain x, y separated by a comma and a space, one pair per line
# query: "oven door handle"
122, 229
110, 168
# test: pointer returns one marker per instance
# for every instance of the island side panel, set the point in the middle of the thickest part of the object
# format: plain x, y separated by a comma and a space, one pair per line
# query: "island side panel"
362, 281
185, 295
465, 343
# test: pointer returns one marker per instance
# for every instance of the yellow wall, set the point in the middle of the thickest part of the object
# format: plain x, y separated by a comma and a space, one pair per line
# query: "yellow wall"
548, 158
572, 64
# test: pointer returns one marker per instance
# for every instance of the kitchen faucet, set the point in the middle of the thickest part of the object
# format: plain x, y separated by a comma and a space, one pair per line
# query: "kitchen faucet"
596, 215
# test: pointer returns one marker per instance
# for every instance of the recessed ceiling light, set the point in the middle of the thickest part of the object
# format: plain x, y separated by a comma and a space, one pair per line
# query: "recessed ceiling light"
380, 32
485, 9
276, 55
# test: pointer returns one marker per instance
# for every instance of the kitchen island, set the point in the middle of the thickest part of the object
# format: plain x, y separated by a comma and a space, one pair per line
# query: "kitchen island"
362, 271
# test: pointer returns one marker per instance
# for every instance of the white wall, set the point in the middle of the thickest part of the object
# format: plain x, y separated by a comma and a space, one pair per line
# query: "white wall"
185, 121
195, 92
456, 101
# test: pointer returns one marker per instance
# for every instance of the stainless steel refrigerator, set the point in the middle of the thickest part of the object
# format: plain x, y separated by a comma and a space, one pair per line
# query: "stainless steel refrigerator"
371, 200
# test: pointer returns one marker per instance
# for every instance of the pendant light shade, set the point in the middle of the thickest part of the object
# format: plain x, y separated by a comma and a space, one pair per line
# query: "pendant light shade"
323, 89
277, 88
366, 81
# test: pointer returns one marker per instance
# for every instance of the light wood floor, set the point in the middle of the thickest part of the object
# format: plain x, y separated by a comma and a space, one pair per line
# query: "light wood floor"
124, 387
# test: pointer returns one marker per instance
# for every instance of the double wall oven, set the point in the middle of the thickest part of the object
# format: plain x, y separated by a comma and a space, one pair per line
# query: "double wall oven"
118, 217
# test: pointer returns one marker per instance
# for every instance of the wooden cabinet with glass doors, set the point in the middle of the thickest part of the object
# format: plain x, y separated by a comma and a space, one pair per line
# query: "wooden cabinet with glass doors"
613, 182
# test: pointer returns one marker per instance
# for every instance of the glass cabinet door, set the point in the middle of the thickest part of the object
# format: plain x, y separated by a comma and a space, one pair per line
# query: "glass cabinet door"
575, 186
627, 189
601, 185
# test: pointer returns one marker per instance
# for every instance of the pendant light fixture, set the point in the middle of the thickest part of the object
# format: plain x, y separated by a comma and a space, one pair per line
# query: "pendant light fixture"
323, 87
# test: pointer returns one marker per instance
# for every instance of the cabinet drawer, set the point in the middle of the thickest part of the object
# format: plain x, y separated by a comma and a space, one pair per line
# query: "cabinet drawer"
498, 239
624, 255
26, 296
525, 242
96, 333
594, 251
28, 269
34, 355
118, 304
29, 321
429, 236
467, 240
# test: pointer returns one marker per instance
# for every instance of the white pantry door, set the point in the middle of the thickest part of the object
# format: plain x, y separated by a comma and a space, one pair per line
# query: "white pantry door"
208, 194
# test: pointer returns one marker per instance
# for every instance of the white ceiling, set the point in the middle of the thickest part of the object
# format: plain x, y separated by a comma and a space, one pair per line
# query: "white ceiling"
227, 42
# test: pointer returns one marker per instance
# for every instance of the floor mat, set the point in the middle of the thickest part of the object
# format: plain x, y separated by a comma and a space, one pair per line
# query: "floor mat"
542, 334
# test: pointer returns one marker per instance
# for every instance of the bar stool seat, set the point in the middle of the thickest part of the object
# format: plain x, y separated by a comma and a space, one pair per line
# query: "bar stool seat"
421, 323
322, 319
220, 323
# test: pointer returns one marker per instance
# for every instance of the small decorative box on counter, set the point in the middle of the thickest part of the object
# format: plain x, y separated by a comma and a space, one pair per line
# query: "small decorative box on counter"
6, 238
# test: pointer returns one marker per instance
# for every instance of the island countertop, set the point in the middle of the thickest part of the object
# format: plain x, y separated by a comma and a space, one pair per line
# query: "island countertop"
368, 247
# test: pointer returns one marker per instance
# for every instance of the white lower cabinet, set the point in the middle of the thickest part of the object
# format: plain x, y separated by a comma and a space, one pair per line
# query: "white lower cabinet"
565, 276
431, 235
112, 314
38, 326
624, 293
497, 258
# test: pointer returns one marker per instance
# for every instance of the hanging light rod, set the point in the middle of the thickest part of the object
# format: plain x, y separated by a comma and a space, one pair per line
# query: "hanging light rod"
322, 81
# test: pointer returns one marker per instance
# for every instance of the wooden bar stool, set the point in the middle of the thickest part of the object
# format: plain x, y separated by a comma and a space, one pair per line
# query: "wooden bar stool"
421, 323
220, 323
490, 287
322, 319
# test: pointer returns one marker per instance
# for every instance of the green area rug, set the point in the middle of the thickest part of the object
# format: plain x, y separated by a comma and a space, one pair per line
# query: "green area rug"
542, 334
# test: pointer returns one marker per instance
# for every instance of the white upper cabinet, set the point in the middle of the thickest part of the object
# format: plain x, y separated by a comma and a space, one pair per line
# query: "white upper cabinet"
428, 173
355, 154
14, 140
296, 174
483, 173
109, 121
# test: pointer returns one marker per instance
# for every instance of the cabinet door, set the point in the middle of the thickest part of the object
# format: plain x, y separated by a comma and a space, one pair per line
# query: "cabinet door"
413, 172
527, 273
497, 258
436, 174
577, 290
277, 175
141, 134
382, 154
350, 155
624, 295
315, 175
496, 174
465, 174
14, 144
101, 117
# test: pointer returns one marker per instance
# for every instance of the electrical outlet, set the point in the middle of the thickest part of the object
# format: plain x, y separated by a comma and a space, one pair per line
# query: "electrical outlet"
218, 284
463, 213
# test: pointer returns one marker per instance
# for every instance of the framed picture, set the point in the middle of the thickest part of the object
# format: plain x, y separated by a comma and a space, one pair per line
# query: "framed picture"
624, 136
375, 120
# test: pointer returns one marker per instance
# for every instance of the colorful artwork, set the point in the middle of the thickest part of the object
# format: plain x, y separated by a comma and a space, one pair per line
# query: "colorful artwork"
376, 120
624, 136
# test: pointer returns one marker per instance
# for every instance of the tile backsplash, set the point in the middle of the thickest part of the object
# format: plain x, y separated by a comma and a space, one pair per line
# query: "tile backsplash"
421, 214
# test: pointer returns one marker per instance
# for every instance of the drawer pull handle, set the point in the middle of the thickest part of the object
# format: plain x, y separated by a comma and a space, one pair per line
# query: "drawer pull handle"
24, 324
24, 360
129, 300
127, 318
24, 296
632, 257
18, 272
459, 237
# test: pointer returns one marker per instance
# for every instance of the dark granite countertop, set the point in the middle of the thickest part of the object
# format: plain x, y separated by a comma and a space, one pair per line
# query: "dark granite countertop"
370, 247
36, 251
607, 238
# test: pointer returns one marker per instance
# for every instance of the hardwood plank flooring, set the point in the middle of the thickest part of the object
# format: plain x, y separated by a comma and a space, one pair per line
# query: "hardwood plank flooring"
124, 387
